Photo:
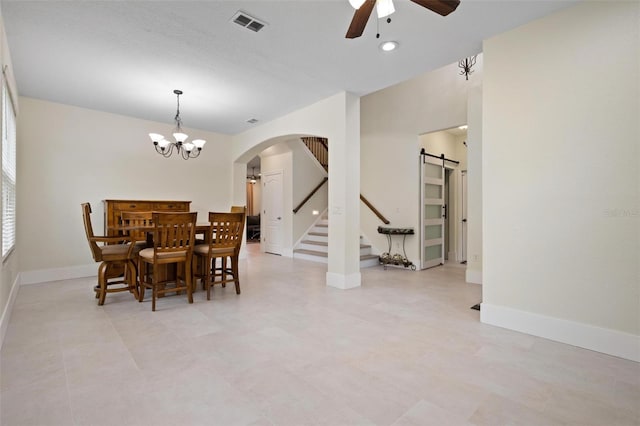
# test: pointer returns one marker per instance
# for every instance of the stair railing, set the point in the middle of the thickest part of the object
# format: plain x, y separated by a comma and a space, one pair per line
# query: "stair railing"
374, 210
308, 197
320, 149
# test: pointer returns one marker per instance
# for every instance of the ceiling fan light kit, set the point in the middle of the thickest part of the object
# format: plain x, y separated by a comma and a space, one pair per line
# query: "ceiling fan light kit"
385, 8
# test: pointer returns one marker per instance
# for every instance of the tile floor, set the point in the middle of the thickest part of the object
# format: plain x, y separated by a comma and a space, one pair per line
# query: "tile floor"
404, 349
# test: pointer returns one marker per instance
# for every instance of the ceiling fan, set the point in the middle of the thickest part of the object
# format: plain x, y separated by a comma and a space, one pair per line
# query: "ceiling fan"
386, 8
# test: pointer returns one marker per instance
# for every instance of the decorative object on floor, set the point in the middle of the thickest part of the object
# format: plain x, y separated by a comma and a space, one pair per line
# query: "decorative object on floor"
476, 307
466, 64
186, 149
385, 8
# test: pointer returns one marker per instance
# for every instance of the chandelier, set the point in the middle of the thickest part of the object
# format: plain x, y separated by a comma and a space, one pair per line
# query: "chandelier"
186, 149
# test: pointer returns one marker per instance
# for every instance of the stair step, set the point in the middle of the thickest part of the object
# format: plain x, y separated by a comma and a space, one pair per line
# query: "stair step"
323, 246
315, 243
311, 252
326, 244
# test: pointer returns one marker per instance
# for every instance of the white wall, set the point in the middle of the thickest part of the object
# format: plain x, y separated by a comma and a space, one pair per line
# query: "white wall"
561, 174
391, 122
69, 155
473, 274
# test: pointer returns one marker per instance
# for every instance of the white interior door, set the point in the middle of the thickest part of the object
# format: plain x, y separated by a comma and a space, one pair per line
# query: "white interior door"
272, 209
432, 194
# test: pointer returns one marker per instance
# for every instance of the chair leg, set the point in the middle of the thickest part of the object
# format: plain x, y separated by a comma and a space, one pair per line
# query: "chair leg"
188, 280
223, 264
236, 277
154, 287
133, 278
102, 283
211, 265
142, 274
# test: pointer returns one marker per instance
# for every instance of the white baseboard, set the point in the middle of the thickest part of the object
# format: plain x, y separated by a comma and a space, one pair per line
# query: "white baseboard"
343, 282
611, 342
473, 276
57, 274
6, 314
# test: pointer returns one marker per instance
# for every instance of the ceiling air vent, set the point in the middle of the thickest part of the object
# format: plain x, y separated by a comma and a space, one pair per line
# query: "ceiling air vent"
248, 21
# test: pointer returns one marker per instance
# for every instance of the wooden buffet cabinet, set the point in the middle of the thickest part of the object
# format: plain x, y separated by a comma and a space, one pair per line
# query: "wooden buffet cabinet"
113, 210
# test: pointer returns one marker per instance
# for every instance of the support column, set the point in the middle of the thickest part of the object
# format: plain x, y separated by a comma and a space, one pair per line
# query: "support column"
344, 201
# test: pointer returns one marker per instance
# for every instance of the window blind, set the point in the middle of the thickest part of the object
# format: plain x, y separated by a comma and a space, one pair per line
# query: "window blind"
8, 173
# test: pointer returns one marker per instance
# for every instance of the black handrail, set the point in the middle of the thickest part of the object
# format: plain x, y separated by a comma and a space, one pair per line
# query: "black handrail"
374, 210
310, 195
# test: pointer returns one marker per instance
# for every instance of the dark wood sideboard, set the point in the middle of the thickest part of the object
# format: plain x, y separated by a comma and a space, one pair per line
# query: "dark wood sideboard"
113, 210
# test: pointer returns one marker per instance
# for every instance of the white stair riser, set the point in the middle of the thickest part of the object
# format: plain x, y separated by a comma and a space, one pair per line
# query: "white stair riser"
366, 263
369, 263
322, 238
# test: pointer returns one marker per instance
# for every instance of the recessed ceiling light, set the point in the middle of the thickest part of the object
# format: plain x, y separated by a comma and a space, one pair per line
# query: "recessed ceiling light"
388, 46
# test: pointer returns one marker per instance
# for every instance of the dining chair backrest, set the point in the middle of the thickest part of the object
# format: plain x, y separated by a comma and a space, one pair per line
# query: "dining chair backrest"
173, 232
226, 230
239, 209
88, 229
135, 219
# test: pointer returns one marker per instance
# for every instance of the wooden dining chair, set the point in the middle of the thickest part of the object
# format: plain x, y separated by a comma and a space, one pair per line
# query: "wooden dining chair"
173, 238
224, 239
141, 220
114, 254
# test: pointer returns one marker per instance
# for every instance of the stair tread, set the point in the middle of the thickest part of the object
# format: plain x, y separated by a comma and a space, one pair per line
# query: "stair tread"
325, 244
324, 254
312, 252
315, 243
321, 234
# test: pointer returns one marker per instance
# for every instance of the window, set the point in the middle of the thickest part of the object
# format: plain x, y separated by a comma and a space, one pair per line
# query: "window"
8, 173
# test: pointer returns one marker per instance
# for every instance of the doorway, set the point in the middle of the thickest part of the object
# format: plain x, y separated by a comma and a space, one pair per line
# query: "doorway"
272, 211
446, 148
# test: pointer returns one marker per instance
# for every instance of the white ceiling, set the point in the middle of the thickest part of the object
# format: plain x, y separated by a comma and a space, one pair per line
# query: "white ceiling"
126, 57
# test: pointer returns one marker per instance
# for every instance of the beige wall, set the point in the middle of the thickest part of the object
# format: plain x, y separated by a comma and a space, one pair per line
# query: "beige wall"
561, 174
70, 155
391, 122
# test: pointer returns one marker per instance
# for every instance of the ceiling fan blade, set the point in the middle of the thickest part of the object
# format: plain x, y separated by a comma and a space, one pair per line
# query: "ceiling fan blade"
441, 7
360, 18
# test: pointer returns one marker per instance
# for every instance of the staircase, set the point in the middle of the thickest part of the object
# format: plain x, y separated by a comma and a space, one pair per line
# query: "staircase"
314, 246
